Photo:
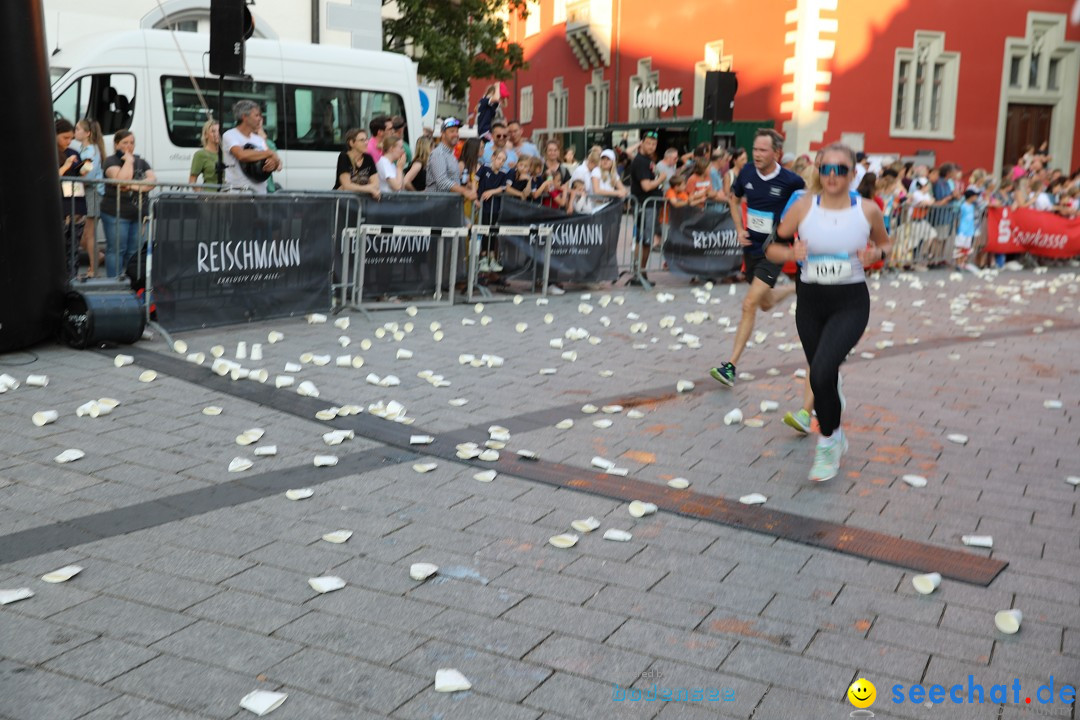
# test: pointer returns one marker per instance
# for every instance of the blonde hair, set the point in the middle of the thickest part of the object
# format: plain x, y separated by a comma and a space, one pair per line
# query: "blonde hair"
422, 151
93, 130
840, 148
388, 142
207, 129
593, 157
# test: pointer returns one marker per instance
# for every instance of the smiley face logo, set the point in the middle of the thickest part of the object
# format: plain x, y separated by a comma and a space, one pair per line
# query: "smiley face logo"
862, 693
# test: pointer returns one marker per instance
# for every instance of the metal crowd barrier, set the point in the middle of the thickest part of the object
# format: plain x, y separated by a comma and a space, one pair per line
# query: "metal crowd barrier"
355, 243
76, 189
922, 236
539, 235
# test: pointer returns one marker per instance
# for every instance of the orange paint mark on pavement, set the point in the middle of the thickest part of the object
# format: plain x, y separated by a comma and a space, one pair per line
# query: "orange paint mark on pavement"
862, 625
641, 456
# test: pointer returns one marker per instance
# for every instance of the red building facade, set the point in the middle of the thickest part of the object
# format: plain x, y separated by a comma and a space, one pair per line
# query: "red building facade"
971, 81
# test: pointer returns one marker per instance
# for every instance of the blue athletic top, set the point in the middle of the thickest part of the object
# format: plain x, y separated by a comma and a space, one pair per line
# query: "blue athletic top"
766, 199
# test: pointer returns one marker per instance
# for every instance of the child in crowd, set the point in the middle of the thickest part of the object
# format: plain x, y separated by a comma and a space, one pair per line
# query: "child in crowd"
487, 110
88, 133
676, 196
578, 201
965, 231
491, 182
524, 174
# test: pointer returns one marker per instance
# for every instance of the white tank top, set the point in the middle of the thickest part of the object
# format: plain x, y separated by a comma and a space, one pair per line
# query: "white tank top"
833, 239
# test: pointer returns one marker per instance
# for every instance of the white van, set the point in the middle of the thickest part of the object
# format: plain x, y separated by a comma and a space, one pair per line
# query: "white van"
310, 95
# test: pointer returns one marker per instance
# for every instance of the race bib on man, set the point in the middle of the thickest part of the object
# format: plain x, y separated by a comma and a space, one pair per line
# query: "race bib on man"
828, 269
759, 222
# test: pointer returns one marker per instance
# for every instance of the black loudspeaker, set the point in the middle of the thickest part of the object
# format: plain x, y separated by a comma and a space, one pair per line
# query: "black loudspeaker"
230, 24
720, 89
93, 318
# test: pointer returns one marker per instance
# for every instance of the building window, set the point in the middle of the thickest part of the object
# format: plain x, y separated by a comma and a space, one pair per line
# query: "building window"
1014, 71
560, 12
1052, 72
597, 95
558, 104
525, 105
532, 20
924, 88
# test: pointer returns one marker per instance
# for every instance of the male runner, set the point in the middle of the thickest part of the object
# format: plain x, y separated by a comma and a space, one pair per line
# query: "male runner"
767, 187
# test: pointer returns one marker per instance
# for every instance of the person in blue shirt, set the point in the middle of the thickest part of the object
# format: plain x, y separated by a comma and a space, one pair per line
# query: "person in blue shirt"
965, 230
767, 187
499, 136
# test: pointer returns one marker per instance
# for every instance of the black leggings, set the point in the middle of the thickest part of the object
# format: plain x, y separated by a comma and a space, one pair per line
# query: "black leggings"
830, 320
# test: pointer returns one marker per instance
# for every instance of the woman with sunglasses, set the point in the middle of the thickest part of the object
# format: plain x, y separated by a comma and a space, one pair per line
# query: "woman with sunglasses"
838, 235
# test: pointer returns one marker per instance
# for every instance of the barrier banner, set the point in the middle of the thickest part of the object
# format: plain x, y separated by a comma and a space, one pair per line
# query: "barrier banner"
583, 247
406, 264
220, 259
1031, 231
702, 243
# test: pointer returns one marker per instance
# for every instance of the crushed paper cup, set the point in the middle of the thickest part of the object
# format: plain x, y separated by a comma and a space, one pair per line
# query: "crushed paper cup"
450, 680
62, 575
342, 323
320, 360
107, 405
251, 436
239, 464
326, 460
284, 381
617, 535
91, 408
548, 371
403, 354
769, 406
45, 417
521, 327
196, 358
635, 414
488, 455
265, 451
589, 409
122, 360
422, 571
983, 541
926, 584
1048, 404
37, 380
70, 455
299, 493
753, 422
458, 402
603, 424
800, 373
307, 389
307, 358
7, 382
147, 376
424, 467
421, 439
528, 455
733, 417
274, 337
1008, 621
565, 424
338, 536
641, 509
10, 596
564, 541
612, 409
602, 463
957, 438
678, 483
585, 526
485, 476
684, 386
325, 584
328, 414
915, 481
316, 318
753, 499
1072, 480
262, 702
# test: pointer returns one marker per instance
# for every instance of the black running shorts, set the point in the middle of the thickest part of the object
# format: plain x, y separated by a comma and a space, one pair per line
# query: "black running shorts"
758, 266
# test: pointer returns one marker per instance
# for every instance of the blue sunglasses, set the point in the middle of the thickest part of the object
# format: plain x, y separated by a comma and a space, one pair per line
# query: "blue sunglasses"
839, 170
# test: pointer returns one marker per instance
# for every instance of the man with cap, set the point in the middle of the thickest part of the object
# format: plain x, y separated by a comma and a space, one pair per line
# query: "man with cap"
645, 183
443, 174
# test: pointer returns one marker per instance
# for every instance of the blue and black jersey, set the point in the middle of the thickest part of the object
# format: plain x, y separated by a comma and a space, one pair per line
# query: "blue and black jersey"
766, 199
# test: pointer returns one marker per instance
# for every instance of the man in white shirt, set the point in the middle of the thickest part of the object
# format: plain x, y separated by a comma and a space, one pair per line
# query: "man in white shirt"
242, 145
522, 146
668, 166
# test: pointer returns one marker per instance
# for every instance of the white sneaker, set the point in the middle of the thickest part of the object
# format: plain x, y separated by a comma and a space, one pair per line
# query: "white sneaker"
827, 459
483, 266
555, 290
494, 266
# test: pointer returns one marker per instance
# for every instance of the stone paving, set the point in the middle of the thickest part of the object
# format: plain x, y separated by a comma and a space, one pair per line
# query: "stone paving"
194, 589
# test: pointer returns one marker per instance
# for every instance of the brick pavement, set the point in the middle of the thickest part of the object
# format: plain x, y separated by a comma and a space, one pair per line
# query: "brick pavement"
194, 589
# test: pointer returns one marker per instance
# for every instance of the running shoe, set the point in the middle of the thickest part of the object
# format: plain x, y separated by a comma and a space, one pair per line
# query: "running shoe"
555, 290
840, 391
483, 266
494, 266
725, 374
799, 421
827, 460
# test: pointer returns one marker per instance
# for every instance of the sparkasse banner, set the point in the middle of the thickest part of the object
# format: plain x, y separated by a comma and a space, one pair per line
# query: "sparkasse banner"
1031, 231
219, 259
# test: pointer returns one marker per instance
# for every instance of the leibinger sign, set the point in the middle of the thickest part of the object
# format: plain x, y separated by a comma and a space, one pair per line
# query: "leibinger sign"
663, 98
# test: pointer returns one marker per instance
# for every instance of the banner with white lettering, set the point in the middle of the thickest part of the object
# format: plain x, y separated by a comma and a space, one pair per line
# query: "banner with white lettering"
702, 243
404, 264
584, 247
1032, 231
220, 259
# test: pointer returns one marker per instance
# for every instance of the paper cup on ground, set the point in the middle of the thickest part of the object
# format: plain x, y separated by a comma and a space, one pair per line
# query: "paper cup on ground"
284, 381
122, 360
422, 571
66, 573
92, 408
307, 389
262, 702
733, 417
450, 680
256, 351
926, 584
10, 596
197, 358
37, 380
327, 583
274, 337
45, 417
1008, 621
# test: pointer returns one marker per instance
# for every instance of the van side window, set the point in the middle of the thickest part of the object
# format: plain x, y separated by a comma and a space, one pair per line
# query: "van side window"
108, 98
317, 118
185, 115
